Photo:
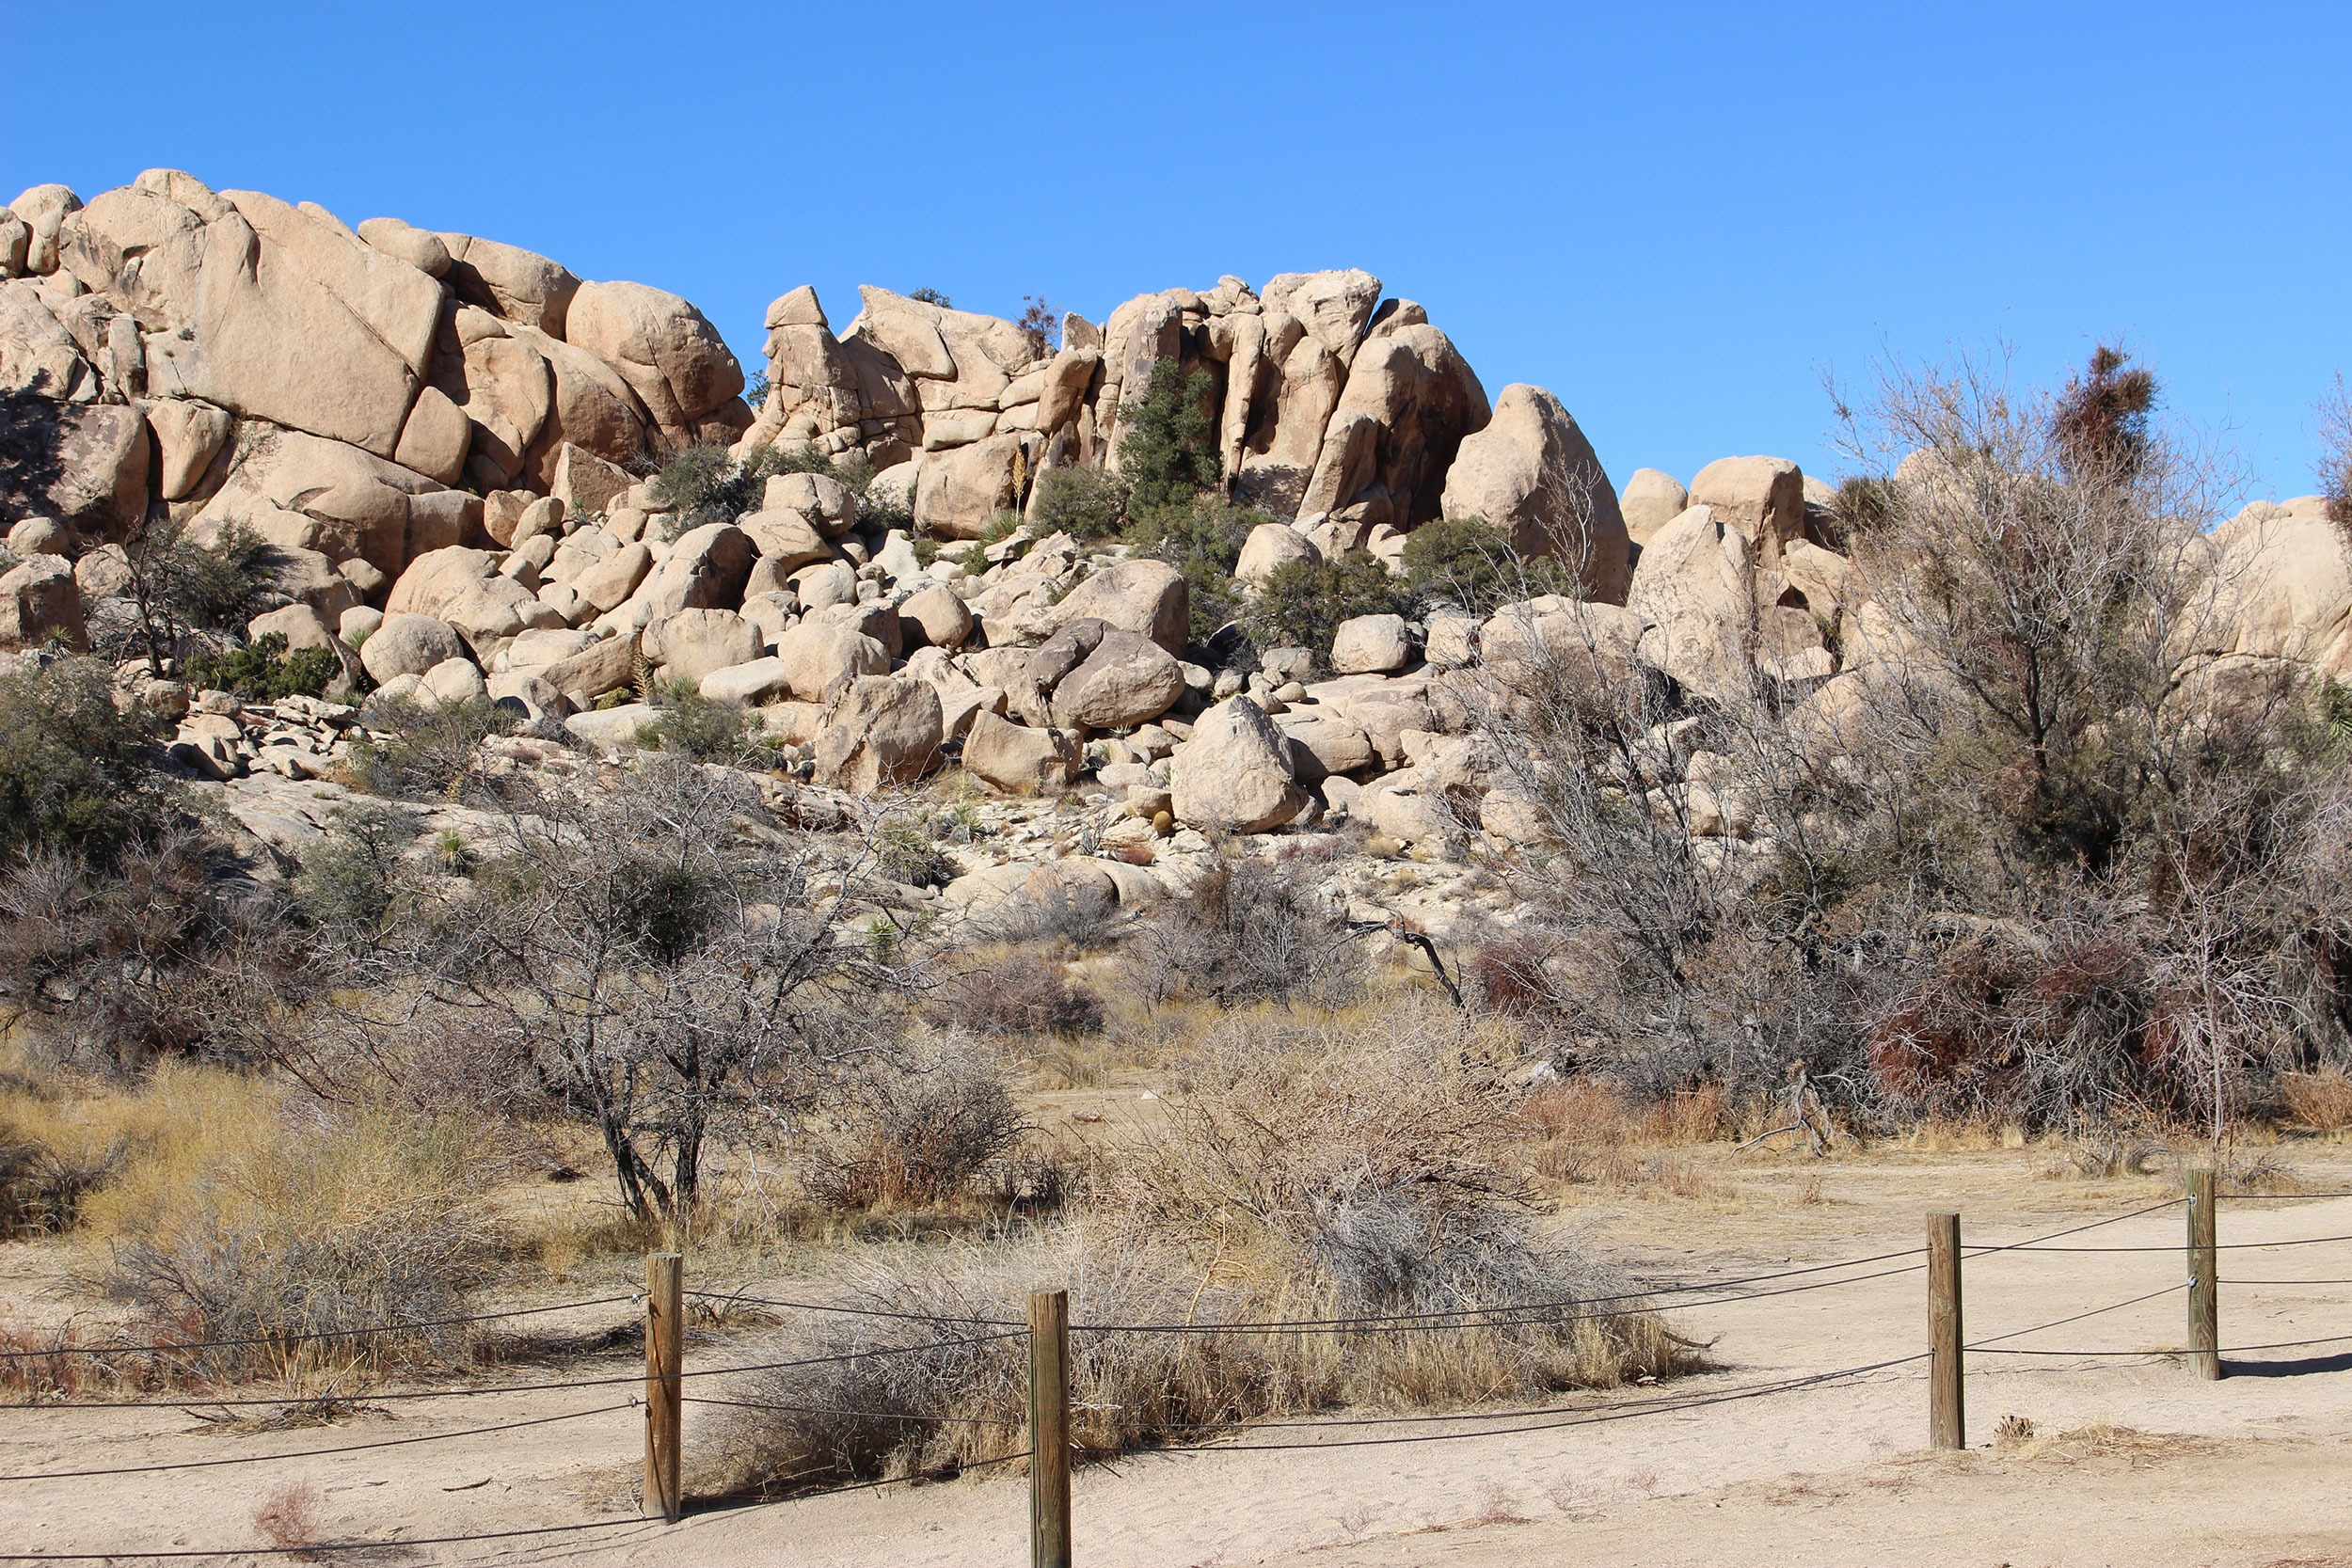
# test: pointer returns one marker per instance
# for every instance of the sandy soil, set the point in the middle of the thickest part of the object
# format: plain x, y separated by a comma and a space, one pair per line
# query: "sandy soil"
2173, 1469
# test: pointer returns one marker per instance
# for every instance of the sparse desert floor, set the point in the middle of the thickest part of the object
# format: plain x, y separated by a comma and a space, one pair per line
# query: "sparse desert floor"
2134, 1460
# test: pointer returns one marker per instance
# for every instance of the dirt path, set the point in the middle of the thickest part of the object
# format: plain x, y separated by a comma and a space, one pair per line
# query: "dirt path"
2248, 1470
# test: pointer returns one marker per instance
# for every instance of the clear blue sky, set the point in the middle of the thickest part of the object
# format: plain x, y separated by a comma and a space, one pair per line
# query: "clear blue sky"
1675, 217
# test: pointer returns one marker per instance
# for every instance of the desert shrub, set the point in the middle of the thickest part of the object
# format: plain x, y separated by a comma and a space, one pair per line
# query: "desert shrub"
1039, 325
2101, 419
178, 585
263, 670
1254, 931
1020, 994
1202, 539
697, 726
153, 953
913, 1134
76, 771
41, 1185
435, 747
1169, 453
1469, 562
704, 485
931, 296
1509, 977
1085, 504
1301, 603
1343, 1171
252, 1212
907, 849
2321, 1101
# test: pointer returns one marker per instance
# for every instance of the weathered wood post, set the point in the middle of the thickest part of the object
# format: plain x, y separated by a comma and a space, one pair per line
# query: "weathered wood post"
1948, 1423
2204, 1284
664, 1352
1049, 1429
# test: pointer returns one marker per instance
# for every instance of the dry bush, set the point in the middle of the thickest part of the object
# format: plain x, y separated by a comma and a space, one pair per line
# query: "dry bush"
914, 1135
1253, 930
2321, 1101
256, 1213
1020, 994
288, 1516
1344, 1172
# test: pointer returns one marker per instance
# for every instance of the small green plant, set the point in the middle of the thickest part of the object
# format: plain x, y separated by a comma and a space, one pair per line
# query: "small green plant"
931, 296
1469, 562
1085, 504
76, 772
262, 670
691, 723
973, 558
1000, 528
704, 485
1301, 605
1169, 453
907, 851
435, 747
455, 855
926, 550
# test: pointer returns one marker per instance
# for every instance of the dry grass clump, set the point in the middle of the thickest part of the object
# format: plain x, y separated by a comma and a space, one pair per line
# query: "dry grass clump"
1021, 994
287, 1516
241, 1211
1353, 1178
911, 1136
1588, 1131
2320, 1100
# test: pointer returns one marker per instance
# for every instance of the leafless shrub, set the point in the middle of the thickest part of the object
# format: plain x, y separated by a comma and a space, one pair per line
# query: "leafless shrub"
1254, 931
288, 1516
2321, 1101
917, 1134
1020, 994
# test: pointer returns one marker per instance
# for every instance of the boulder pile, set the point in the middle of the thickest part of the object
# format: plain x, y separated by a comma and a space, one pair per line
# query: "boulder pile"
446, 441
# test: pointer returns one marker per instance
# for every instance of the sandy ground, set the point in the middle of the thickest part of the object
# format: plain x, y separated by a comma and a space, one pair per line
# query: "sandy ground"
2250, 1470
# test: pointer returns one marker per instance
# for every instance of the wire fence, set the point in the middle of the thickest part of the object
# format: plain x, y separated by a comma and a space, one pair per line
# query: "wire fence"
666, 1380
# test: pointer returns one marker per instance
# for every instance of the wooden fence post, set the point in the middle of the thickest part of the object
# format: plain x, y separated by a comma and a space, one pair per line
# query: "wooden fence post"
1948, 1423
665, 1360
1049, 1429
2204, 1284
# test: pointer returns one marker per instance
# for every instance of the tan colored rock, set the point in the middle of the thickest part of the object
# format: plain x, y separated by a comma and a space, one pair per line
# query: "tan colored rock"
305, 492
1371, 644
1410, 400
1064, 391
586, 484
1695, 585
603, 666
1271, 546
16, 238
1236, 772
959, 493
1650, 501
692, 643
757, 682
36, 353
420, 248
40, 536
409, 644
665, 349
1334, 307
1331, 743
44, 210
1761, 496
939, 617
1019, 760
510, 282
1531, 473
465, 588
301, 627
704, 569
878, 733
98, 468
1126, 680
40, 602
606, 584
786, 538
1149, 597
815, 655
434, 441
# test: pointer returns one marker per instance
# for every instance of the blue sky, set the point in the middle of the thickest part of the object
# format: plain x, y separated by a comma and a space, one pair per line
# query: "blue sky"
1676, 217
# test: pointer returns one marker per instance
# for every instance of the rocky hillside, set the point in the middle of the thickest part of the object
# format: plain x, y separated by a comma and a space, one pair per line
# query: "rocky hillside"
448, 443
